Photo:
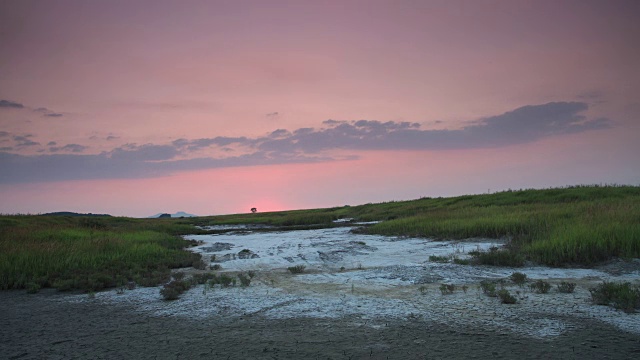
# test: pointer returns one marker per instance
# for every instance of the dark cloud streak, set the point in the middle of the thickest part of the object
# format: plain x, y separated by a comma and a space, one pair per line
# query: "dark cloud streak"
523, 125
10, 104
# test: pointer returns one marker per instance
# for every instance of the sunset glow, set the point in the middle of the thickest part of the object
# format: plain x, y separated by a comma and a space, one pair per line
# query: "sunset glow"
213, 107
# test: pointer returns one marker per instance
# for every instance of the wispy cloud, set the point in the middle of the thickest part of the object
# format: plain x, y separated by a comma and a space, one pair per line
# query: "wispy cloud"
74, 148
523, 125
24, 140
10, 104
14, 105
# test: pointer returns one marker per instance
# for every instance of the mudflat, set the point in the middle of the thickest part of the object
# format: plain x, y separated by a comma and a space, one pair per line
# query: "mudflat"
47, 326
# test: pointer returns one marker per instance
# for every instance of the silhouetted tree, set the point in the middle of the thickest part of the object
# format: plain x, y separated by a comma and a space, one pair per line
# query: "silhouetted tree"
254, 210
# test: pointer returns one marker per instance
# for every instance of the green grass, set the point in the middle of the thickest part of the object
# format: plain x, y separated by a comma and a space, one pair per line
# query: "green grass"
74, 253
579, 225
622, 296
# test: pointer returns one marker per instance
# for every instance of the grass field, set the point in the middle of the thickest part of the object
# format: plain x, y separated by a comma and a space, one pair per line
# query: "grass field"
580, 225
89, 253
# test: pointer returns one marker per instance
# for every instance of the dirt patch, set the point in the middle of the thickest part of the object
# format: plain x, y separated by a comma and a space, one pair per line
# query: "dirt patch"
43, 327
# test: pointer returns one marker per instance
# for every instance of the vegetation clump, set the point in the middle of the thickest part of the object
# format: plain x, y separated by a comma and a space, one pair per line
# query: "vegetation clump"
518, 278
622, 296
505, 297
488, 288
498, 257
447, 289
566, 287
297, 269
540, 286
173, 289
245, 280
438, 259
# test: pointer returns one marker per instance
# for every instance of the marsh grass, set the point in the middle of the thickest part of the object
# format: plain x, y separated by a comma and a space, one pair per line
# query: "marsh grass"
297, 269
90, 255
488, 288
438, 259
447, 289
622, 296
540, 286
505, 297
576, 225
518, 278
566, 287
564, 226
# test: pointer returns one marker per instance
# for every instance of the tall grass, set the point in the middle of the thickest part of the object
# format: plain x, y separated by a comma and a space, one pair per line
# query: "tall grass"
562, 226
73, 253
581, 225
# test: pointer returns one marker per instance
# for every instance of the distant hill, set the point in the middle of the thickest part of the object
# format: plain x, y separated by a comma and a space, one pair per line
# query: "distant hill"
70, 213
176, 215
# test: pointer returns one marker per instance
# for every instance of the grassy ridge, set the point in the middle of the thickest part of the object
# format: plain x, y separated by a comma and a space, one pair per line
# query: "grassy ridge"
578, 225
562, 226
88, 253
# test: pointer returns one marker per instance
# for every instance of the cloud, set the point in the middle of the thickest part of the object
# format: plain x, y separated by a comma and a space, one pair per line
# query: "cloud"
10, 104
52, 143
192, 145
75, 148
522, 125
4, 134
141, 153
24, 141
15, 105
112, 137
272, 114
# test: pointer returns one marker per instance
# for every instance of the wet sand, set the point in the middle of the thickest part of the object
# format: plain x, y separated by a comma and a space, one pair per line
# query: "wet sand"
35, 327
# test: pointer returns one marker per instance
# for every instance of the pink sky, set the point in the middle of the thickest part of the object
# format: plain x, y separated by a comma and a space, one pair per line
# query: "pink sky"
211, 107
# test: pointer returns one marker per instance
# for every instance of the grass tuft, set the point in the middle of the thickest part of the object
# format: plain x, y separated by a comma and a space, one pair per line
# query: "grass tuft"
622, 296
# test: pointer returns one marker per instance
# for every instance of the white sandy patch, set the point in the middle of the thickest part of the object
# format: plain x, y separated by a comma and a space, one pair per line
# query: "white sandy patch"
373, 279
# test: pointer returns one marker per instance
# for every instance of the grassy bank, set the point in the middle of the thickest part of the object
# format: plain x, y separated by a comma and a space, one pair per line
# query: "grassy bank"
89, 253
579, 225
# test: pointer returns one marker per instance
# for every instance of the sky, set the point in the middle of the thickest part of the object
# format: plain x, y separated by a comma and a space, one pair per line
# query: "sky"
137, 107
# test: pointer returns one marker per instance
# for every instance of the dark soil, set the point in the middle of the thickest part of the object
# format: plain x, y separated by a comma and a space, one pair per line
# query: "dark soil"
38, 327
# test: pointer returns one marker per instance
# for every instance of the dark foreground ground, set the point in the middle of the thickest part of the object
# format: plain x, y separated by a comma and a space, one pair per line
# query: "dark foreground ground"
34, 327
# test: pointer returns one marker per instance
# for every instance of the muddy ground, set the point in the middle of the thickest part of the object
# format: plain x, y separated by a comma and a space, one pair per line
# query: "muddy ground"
41, 326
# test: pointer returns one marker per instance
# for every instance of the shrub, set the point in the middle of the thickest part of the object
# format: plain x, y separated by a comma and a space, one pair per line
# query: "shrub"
298, 269
226, 280
447, 289
422, 289
518, 278
173, 289
621, 296
244, 280
178, 275
215, 267
566, 287
199, 264
251, 273
461, 261
438, 259
505, 297
540, 286
202, 278
33, 288
498, 257
488, 288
